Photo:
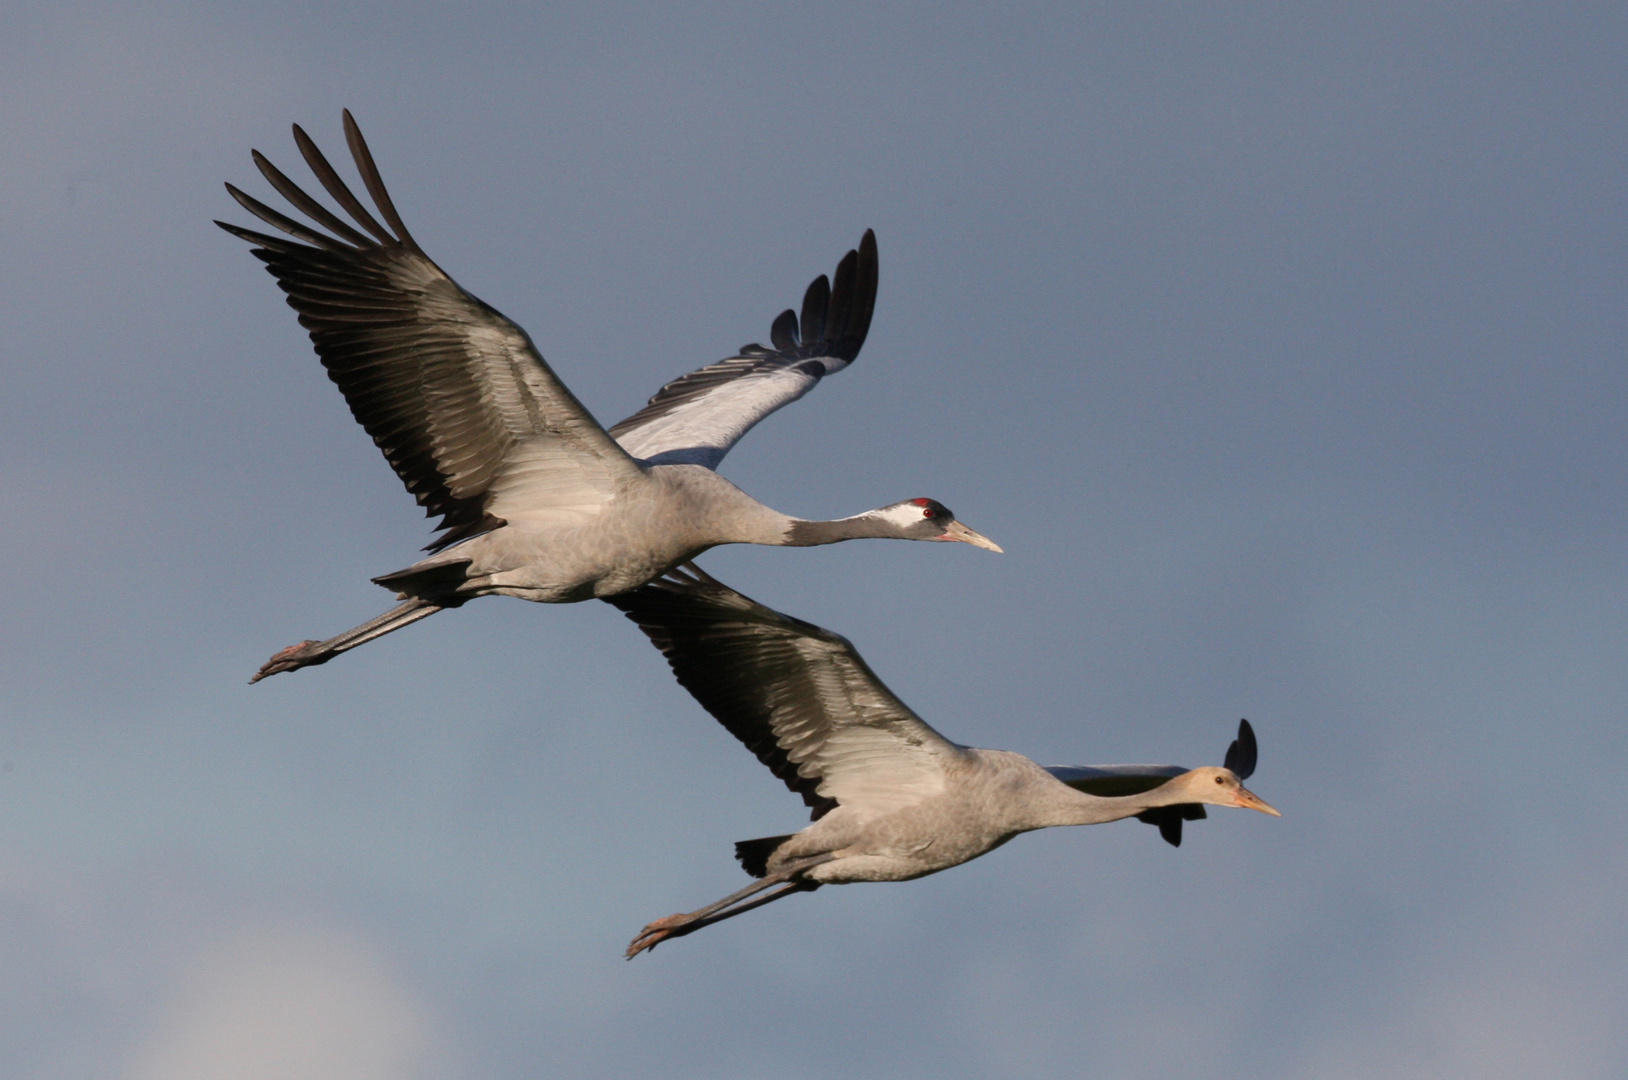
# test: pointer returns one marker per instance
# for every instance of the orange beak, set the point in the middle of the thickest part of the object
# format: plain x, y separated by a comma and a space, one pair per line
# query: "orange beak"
1250, 801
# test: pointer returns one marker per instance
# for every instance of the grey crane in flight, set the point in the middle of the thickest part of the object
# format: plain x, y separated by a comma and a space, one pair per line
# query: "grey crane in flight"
536, 499
891, 799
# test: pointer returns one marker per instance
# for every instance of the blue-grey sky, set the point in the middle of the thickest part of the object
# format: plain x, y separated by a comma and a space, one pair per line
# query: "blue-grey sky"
1282, 347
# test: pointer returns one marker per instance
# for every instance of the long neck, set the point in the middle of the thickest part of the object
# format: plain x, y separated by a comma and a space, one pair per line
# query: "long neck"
1062, 805
753, 523
709, 510
809, 533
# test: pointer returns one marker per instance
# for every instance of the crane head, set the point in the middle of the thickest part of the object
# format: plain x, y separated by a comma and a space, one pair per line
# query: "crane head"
1220, 786
929, 519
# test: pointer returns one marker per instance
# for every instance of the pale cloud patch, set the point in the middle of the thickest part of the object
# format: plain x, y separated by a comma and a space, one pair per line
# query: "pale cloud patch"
280, 1004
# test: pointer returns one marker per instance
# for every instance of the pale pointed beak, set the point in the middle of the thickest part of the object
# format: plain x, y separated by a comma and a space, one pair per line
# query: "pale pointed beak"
1250, 801
957, 531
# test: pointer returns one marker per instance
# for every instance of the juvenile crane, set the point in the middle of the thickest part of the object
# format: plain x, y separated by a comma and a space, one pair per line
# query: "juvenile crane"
536, 499
891, 798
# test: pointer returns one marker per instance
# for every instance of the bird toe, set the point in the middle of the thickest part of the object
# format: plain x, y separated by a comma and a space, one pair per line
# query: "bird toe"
295, 656
656, 933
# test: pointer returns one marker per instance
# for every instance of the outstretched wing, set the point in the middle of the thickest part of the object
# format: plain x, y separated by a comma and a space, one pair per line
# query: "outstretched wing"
465, 410
1114, 781
695, 419
801, 698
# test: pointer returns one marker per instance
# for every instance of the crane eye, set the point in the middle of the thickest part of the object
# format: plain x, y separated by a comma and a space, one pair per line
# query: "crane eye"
1220, 780
927, 513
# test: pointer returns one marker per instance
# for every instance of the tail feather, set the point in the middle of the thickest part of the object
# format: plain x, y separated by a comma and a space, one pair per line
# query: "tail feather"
437, 583
754, 854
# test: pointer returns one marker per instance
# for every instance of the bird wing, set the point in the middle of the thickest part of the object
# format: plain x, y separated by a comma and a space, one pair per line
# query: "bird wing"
1241, 755
1114, 781
1117, 781
463, 406
799, 697
695, 419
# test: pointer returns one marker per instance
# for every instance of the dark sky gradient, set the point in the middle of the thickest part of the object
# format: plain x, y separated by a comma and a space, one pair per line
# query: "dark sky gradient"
1282, 347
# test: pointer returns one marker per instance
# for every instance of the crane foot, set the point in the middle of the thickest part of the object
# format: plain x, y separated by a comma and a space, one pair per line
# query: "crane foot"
656, 933
295, 656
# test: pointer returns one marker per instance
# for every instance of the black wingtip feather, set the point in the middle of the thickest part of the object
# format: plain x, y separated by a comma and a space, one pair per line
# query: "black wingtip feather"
836, 310
1241, 754
784, 331
342, 194
315, 210
283, 222
816, 302
853, 299
868, 274
257, 238
373, 181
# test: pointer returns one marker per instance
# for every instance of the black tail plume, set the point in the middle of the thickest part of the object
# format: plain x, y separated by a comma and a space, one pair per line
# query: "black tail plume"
754, 854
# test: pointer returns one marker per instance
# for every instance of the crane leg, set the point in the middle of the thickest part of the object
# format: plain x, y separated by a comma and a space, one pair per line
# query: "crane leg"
307, 653
790, 879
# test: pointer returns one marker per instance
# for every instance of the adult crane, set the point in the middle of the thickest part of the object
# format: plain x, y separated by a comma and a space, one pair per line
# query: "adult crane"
891, 798
536, 499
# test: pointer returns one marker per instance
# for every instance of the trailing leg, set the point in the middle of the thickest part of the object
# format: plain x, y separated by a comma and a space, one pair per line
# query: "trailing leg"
308, 653
736, 903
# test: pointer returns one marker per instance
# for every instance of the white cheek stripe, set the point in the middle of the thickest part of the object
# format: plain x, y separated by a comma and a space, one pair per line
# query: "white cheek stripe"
904, 514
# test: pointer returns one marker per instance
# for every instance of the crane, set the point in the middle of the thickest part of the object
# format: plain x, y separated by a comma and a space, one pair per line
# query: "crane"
536, 499
891, 799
